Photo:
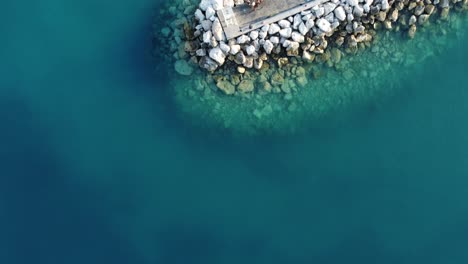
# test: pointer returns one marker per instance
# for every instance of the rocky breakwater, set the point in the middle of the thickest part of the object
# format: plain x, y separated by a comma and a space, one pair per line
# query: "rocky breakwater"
323, 34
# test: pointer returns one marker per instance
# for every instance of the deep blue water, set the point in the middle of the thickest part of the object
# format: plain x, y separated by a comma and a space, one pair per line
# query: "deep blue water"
97, 167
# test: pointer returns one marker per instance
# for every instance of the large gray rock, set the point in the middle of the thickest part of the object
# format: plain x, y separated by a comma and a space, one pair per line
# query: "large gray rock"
208, 64
217, 55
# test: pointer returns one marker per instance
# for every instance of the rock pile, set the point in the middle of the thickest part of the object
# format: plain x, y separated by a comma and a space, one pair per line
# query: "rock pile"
304, 34
322, 34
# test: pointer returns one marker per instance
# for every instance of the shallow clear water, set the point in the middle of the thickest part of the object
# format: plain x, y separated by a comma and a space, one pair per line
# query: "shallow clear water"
97, 166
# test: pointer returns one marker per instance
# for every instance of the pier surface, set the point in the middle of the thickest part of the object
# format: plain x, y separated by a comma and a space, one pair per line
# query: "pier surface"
242, 19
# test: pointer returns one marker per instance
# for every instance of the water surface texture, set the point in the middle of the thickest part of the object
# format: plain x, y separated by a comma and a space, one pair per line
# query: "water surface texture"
98, 166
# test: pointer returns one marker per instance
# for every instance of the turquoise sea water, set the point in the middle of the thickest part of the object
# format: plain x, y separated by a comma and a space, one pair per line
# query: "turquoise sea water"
97, 166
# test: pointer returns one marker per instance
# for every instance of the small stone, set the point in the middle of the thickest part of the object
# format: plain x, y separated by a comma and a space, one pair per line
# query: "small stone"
240, 69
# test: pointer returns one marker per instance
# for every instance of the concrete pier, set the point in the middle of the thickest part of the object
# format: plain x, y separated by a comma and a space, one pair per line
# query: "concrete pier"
243, 19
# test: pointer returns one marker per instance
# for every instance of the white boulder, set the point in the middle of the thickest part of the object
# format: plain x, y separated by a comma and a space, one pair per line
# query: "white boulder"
285, 32
340, 13
268, 46
274, 28
234, 49
217, 55
296, 36
210, 12
243, 39
199, 15
250, 50
324, 25
284, 23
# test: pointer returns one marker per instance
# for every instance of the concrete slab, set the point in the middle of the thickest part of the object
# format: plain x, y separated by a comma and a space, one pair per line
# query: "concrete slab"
243, 19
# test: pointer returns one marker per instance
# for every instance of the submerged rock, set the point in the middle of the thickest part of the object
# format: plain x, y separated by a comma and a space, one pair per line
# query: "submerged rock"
245, 86
183, 68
